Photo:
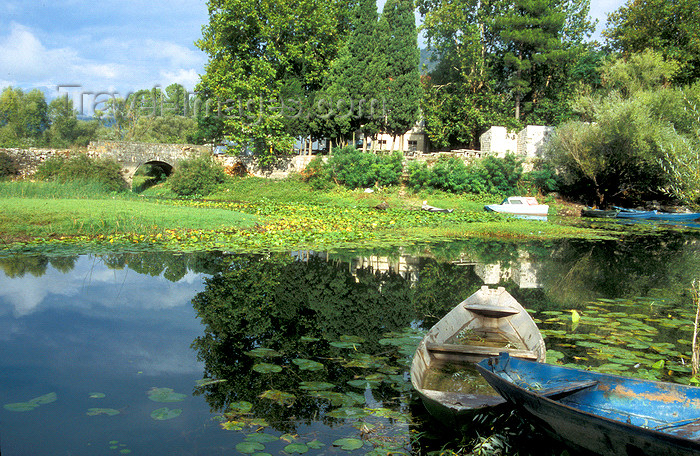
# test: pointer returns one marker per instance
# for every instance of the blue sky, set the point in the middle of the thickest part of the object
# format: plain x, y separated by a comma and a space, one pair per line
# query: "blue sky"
112, 46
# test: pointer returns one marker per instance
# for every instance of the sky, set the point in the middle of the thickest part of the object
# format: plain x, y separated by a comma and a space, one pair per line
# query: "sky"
91, 51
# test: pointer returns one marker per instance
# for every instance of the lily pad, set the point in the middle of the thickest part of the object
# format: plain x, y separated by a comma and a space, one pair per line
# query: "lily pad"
348, 444
307, 364
281, 397
45, 399
102, 411
299, 448
97, 395
261, 437
165, 395
241, 407
348, 413
250, 447
20, 406
165, 413
316, 386
267, 368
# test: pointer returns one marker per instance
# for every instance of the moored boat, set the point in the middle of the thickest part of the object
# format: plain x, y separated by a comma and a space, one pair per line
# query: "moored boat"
519, 205
600, 213
600, 413
488, 322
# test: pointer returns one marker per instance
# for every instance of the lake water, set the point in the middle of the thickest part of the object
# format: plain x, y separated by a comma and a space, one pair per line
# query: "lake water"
305, 352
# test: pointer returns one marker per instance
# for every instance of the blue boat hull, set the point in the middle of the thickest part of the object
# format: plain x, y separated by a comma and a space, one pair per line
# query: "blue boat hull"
598, 413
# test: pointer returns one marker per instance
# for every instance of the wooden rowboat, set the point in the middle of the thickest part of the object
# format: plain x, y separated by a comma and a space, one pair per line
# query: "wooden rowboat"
443, 372
600, 413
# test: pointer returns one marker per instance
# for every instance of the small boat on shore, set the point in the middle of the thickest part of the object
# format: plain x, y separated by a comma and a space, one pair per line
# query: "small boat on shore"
519, 205
591, 212
443, 372
678, 217
599, 413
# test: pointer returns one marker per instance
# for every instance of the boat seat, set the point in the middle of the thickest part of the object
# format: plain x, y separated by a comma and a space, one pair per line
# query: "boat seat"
566, 389
479, 350
491, 311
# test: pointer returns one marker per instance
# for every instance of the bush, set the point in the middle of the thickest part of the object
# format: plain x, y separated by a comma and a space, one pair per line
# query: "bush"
354, 169
8, 165
197, 177
543, 178
316, 174
83, 168
491, 175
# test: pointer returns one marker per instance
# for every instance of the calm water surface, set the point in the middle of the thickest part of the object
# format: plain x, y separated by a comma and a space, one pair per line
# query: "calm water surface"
103, 354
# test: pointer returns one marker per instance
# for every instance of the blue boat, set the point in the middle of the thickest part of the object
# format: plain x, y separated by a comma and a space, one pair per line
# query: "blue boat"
678, 217
637, 215
599, 413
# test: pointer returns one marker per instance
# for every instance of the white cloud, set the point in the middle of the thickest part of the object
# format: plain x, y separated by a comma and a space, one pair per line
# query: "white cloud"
24, 58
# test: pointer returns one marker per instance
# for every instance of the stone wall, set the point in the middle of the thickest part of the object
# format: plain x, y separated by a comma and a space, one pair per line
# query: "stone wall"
527, 143
29, 159
285, 164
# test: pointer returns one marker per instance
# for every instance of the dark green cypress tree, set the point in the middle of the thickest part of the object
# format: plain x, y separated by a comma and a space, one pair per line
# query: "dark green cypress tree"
396, 67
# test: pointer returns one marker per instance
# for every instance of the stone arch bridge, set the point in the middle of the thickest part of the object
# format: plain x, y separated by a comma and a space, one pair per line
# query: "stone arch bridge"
130, 155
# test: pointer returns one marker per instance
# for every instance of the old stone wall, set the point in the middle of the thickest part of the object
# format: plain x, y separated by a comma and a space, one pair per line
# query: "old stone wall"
285, 164
29, 159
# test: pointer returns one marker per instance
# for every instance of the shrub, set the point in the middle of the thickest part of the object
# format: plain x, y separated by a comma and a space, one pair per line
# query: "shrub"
80, 167
490, 175
543, 178
197, 176
8, 165
354, 169
316, 174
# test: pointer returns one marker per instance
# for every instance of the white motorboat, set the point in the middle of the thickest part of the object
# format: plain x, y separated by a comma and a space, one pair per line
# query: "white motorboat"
519, 205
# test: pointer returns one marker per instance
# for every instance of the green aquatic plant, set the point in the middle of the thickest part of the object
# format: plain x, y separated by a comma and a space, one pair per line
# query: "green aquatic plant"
165, 395
164, 413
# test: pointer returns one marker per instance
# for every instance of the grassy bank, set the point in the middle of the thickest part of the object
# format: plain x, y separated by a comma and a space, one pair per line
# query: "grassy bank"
250, 215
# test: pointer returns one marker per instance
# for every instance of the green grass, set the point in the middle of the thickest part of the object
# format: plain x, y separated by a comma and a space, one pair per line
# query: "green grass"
252, 214
47, 217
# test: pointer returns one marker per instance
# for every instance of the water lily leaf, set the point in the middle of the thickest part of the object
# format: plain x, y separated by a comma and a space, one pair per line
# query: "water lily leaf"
250, 447
348, 444
344, 344
355, 398
307, 364
299, 448
336, 399
316, 386
164, 413
280, 397
165, 395
261, 437
347, 413
45, 399
240, 407
20, 406
102, 411
315, 444
97, 395
233, 425
267, 368
309, 339
263, 353
209, 381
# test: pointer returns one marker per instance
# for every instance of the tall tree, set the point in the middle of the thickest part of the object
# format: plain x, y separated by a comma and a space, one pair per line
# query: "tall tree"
530, 33
254, 47
671, 27
395, 67
23, 117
